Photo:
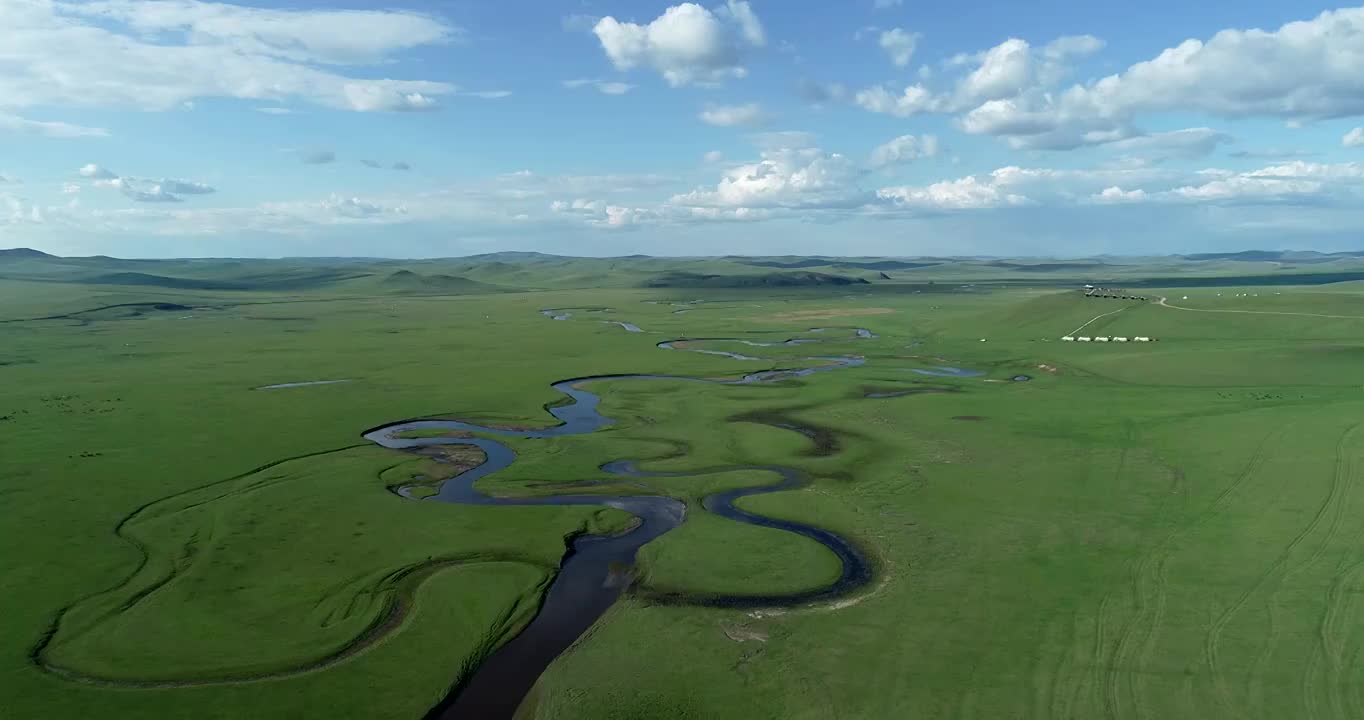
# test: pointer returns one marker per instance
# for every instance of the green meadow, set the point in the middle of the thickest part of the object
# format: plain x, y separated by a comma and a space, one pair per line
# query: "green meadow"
1137, 530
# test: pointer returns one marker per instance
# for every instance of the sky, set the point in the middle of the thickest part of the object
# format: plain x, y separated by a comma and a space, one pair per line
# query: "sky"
178, 128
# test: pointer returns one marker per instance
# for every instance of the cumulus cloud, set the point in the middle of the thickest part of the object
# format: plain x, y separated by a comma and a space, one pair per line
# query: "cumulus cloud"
899, 45
160, 55
1014, 186
968, 193
750, 115
95, 172
316, 157
1354, 138
1116, 194
687, 44
1306, 70
995, 87
904, 149
784, 178
16, 125
915, 99
70, 188
1004, 70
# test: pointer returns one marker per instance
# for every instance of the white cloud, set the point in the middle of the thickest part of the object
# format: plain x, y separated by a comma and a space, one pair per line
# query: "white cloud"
1013, 186
740, 12
914, 100
22, 126
1244, 187
1004, 70
903, 149
334, 37
96, 172
968, 193
70, 188
1001, 86
159, 55
750, 115
1115, 194
783, 178
687, 44
899, 45
1354, 138
1304, 70
274, 111
1069, 46
714, 156
1349, 171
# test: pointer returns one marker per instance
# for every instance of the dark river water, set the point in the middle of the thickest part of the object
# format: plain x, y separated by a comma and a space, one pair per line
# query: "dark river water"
596, 568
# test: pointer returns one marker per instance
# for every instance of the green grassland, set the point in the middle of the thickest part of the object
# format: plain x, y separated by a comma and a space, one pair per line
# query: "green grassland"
1167, 529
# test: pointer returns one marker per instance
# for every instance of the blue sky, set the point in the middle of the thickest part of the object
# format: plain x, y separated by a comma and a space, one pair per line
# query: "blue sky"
183, 128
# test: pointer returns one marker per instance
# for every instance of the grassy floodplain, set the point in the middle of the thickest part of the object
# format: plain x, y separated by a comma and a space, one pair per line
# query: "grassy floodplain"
1168, 529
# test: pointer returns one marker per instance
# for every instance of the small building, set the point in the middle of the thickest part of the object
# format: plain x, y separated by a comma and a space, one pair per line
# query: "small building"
1069, 338
1101, 338
1119, 339
1141, 338
1082, 338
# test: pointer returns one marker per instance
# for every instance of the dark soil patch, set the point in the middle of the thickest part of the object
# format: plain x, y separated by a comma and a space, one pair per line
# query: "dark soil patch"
825, 439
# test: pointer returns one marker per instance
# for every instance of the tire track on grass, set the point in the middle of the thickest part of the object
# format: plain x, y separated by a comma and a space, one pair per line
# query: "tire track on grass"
1333, 628
1280, 568
1150, 589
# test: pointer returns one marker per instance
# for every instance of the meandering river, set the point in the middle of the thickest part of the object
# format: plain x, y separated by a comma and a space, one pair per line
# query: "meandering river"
592, 574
